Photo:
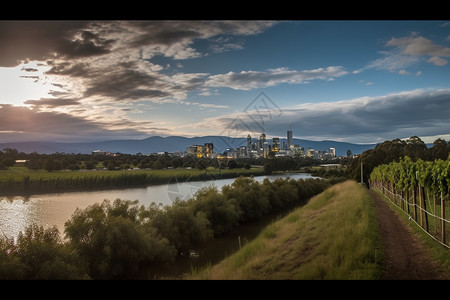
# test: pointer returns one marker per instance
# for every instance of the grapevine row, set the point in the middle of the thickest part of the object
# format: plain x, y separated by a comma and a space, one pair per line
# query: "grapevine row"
420, 189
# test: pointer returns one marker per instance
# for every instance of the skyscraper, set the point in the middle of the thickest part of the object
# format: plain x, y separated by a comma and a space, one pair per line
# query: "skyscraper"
276, 144
249, 145
289, 137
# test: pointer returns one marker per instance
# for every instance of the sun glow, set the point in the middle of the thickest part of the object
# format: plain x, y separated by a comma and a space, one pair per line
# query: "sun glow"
25, 82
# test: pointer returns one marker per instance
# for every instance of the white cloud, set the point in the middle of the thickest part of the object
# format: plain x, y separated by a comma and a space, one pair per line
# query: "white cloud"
408, 51
392, 61
248, 80
419, 46
437, 61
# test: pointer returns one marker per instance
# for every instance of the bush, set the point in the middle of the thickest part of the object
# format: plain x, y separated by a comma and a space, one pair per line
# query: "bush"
181, 226
39, 254
250, 197
8, 162
114, 241
221, 213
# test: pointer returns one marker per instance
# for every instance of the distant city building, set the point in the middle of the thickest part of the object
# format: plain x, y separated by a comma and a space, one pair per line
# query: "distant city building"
201, 151
332, 151
289, 138
100, 152
266, 149
208, 150
249, 145
276, 144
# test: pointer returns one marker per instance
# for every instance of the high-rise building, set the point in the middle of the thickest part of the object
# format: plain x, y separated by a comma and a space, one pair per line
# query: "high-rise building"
266, 149
332, 151
289, 137
209, 149
262, 140
276, 144
249, 145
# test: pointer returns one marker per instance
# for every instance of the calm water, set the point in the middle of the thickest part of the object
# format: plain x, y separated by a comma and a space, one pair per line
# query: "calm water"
17, 212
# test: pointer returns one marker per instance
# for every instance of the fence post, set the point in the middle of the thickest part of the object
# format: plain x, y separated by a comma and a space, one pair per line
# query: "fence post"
415, 203
421, 204
407, 201
425, 209
442, 219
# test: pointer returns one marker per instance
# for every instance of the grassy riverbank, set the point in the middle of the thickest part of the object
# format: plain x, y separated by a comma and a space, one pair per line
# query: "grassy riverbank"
23, 180
334, 236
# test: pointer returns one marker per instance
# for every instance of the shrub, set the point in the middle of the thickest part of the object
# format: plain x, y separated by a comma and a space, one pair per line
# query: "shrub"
114, 241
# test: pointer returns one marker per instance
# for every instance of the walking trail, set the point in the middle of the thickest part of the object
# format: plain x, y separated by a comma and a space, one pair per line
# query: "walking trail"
406, 257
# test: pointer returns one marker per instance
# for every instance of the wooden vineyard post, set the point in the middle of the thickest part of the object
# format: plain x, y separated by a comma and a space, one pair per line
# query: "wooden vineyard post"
425, 209
442, 219
420, 204
415, 203
407, 202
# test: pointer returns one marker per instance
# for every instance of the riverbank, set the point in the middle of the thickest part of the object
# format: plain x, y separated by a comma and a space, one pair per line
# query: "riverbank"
22, 181
334, 236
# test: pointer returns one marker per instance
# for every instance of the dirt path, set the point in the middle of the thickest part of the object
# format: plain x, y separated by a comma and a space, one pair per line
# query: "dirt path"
406, 258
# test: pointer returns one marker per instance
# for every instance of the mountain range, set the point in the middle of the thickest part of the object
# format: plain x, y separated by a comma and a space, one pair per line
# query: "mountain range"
171, 144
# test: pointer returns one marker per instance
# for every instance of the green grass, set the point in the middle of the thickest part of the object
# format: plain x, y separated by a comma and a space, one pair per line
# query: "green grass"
334, 236
21, 179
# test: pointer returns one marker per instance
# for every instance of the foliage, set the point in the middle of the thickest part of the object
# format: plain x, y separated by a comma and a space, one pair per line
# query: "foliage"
39, 254
121, 239
223, 214
393, 151
114, 241
406, 174
12, 181
180, 225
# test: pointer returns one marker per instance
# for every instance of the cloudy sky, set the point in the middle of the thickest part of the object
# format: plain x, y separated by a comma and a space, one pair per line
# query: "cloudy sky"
353, 81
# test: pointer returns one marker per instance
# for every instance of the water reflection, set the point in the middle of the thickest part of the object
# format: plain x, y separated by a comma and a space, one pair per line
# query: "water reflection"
17, 212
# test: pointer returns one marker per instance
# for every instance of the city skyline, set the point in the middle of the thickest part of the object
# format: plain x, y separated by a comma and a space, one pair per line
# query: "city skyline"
343, 80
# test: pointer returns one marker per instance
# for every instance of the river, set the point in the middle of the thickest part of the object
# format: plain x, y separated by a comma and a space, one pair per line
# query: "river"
17, 212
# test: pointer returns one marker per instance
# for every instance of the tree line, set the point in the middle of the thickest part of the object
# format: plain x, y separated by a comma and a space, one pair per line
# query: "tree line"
393, 151
70, 161
121, 239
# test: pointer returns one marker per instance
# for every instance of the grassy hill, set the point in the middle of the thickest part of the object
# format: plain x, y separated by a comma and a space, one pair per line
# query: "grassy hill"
334, 236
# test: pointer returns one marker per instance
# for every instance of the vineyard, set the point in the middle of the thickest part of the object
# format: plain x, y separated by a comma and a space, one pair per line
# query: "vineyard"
421, 190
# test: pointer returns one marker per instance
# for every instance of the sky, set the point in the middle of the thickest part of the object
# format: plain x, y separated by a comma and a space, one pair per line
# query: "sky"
363, 81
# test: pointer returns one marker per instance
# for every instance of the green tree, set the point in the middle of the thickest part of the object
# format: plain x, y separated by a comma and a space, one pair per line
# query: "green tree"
8, 161
439, 150
221, 213
39, 254
114, 241
49, 165
250, 197
181, 226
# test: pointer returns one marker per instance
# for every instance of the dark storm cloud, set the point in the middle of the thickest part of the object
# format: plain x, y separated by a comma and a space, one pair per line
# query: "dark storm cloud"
88, 45
23, 119
364, 120
39, 40
69, 69
124, 83
21, 123
172, 32
49, 102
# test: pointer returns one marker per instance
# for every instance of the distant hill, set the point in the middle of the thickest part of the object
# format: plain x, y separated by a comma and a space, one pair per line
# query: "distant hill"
170, 144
